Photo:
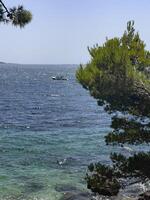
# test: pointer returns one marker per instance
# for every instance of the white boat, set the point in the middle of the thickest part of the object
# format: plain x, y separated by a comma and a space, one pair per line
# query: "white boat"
59, 78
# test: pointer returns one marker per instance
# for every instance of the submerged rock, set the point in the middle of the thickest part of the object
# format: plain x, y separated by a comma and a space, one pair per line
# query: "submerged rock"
73, 193
65, 188
32, 187
77, 196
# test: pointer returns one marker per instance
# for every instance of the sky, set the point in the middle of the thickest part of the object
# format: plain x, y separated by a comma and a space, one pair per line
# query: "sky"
61, 30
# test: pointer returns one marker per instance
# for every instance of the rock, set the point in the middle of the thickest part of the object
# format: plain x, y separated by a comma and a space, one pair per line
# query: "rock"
72, 193
33, 187
76, 196
145, 196
65, 188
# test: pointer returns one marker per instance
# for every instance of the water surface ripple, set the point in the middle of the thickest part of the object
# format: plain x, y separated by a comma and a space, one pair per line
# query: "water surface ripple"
49, 131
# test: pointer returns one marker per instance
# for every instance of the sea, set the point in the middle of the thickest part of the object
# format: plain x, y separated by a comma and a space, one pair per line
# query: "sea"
50, 131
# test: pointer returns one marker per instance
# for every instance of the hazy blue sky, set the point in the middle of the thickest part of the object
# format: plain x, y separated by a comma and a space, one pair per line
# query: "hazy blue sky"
61, 30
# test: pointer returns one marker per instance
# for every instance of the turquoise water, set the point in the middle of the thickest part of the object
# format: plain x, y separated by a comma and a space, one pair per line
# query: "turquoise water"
49, 132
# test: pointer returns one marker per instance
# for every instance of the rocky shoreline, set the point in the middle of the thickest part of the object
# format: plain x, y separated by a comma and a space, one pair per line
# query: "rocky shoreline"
73, 193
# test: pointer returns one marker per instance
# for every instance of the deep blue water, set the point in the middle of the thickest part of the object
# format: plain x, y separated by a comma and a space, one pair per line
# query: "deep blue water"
49, 131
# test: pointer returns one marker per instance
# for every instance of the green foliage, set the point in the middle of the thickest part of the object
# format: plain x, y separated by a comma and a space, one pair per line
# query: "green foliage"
118, 76
18, 16
119, 81
102, 179
128, 131
136, 48
105, 180
137, 165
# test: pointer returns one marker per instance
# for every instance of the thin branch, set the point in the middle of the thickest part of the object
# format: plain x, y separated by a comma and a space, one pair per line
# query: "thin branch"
5, 7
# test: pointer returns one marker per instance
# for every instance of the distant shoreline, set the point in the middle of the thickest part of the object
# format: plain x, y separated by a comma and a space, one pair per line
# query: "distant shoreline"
40, 64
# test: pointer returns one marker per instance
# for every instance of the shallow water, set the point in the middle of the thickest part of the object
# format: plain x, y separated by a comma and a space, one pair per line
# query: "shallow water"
49, 132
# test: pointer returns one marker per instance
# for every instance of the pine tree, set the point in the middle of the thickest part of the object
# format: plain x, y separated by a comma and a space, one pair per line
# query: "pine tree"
18, 16
118, 77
